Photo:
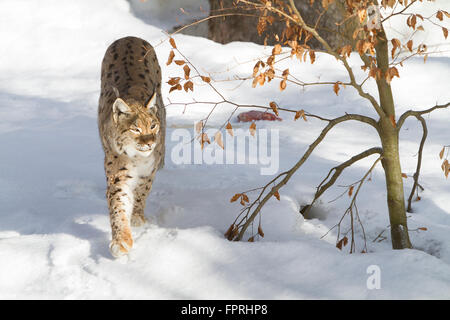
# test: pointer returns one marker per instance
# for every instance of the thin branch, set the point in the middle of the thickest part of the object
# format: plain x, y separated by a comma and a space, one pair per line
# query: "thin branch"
350, 211
337, 172
399, 12
409, 113
419, 160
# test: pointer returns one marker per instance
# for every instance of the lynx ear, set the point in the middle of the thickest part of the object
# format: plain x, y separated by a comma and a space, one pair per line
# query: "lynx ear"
120, 106
151, 104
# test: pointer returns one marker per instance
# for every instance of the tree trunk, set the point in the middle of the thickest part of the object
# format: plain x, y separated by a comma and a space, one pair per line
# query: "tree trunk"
389, 137
243, 28
391, 157
394, 185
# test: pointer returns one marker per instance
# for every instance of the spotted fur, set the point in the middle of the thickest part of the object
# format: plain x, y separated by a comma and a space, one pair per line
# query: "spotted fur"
131, 120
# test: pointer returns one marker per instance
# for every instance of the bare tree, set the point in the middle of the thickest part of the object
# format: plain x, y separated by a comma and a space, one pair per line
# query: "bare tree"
362, 28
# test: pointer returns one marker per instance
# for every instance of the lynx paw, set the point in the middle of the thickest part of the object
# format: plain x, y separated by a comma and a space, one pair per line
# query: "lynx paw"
138, 220
121, 247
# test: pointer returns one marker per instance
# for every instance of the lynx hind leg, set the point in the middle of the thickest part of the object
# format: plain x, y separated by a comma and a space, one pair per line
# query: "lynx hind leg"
120, 208
141, 193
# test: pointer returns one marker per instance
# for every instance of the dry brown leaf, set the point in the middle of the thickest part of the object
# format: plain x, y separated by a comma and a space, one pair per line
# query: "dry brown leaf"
229, 129
270, 74
444, 165
355, 33
254, 82
345, 51
395, 44
172, 43
218, 139
282, 85
188, 85
336, 88
199, 126
261, 79
300, 113
350, 190
187, 71
235, 197
174, 81
446, 168
277, 195
341, 243
312, 56
441, 154
171, 56
260, 231
204, 139
206, 79
175, 87
362, 14
256, 68
409, 45
252, 129
277, 49
274, 107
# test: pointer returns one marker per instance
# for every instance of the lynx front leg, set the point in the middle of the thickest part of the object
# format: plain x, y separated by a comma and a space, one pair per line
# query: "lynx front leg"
120, 200
141, 193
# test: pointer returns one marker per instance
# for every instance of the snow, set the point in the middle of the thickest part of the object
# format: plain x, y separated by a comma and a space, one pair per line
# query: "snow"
54, 227
169, 14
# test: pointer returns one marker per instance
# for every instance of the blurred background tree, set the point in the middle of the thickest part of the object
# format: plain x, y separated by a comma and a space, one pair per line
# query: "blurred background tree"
237, 28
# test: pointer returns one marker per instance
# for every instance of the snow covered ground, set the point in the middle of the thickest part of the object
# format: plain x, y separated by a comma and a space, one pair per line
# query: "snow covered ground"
54, 228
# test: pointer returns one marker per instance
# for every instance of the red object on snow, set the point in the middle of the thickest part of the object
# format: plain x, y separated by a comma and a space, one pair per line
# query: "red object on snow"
257, 115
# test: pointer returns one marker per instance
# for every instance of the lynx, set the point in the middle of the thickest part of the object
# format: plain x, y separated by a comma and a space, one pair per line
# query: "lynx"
131, 120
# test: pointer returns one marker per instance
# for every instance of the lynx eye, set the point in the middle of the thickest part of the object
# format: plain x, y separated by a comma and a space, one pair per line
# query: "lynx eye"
136, 130
153, 126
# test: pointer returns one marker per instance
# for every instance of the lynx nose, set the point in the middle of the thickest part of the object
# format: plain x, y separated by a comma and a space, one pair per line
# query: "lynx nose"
147, 138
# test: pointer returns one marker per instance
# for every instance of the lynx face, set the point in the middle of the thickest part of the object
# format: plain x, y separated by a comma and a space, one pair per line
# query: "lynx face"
137, 125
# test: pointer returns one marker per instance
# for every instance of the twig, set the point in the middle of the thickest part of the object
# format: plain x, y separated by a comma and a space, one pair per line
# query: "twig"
419, 160
337, 172
409, 113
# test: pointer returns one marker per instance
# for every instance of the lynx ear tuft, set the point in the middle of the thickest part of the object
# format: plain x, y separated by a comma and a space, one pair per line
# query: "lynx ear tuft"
116, 92
151, 104
120, 106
